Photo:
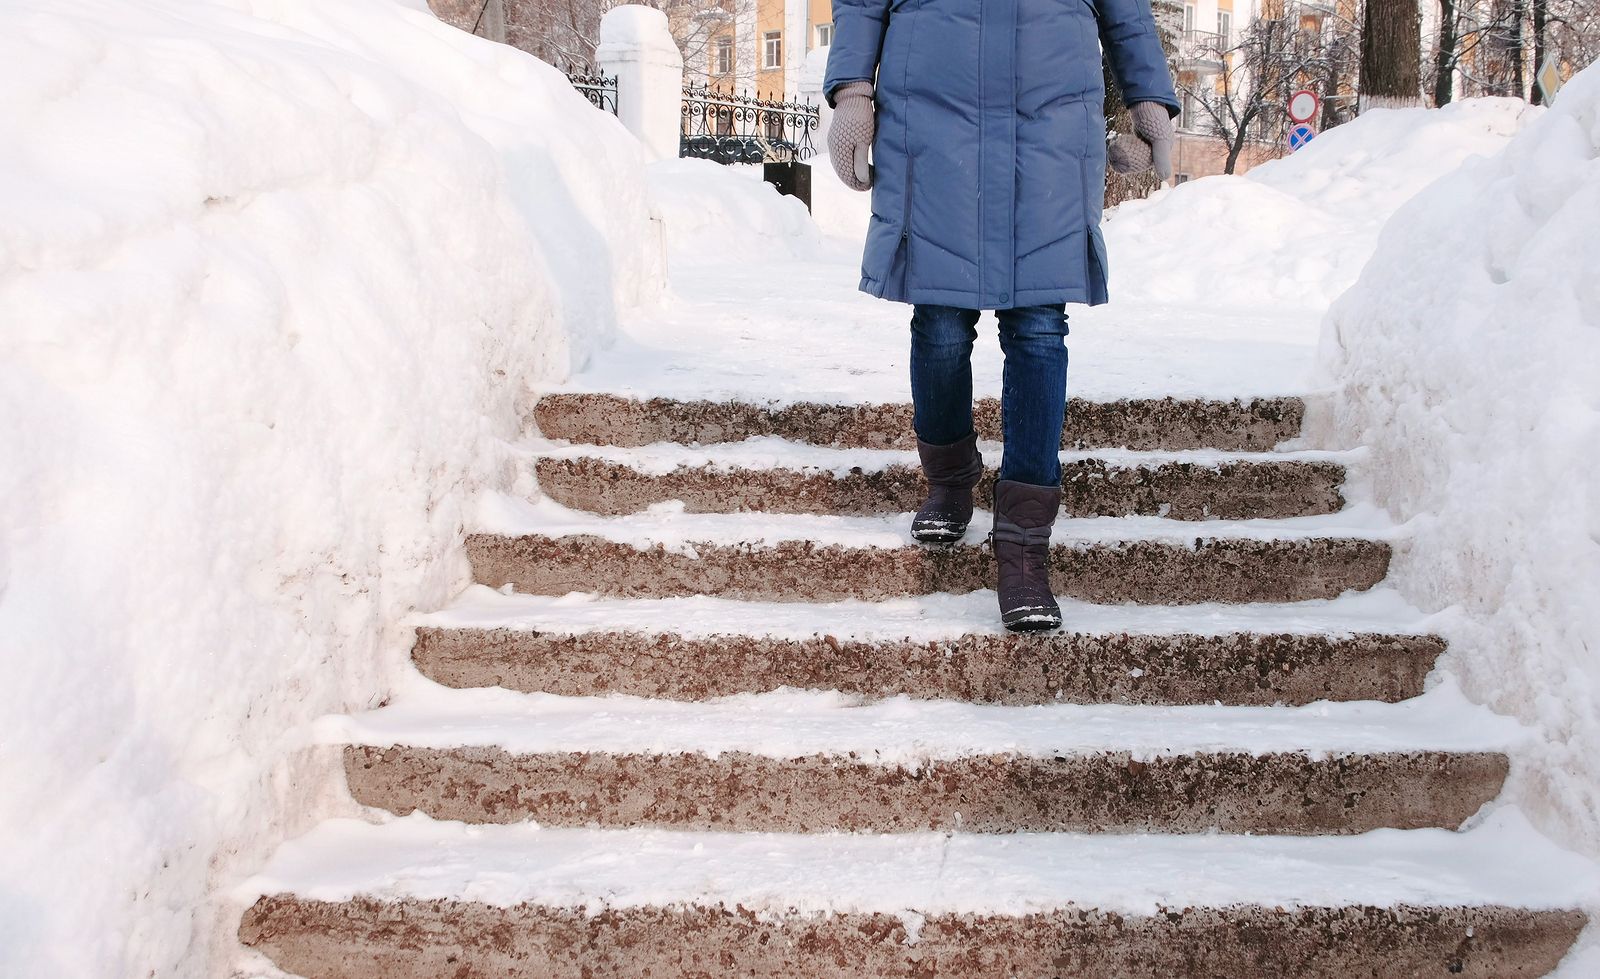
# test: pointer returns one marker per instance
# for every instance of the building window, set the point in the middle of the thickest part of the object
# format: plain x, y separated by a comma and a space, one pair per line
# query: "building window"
1225, 27
724, 55
1188, 19
824, 35
772, 50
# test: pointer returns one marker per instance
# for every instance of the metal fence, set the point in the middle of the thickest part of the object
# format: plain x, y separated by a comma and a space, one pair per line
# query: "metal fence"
596, 86
744, 128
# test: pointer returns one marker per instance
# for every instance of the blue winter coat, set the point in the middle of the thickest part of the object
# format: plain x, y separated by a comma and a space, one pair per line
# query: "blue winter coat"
990, 155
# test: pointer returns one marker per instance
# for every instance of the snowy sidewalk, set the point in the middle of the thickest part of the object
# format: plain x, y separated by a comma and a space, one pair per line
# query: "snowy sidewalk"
798, 330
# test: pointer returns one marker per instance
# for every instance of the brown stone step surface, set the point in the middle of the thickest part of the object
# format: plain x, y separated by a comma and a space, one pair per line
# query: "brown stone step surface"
1365, 646
1157, 570
1286, 793
1234, 489
370, 939
1155, 423
801, 761
417, 900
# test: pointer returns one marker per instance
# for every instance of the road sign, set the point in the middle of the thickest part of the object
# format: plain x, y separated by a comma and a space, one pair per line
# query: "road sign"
1301, 135
1549, 78
1303, 105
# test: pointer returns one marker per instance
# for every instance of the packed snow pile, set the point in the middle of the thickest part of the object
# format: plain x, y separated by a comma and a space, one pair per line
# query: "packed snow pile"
1292, 234
275, 276
1467, 358
717, 213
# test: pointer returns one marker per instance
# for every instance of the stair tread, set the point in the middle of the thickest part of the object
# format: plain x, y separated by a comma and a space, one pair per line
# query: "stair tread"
920, 618
905, 732
1500, 861
503, 515
583, 413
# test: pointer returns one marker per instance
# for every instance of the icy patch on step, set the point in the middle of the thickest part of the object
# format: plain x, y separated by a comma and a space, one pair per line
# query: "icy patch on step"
772, 452
908, 733
928, 618
1502, 861
667, 525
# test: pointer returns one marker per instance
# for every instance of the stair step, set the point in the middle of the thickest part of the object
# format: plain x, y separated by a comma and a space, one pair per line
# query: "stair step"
418, 899
818, 558
1289, 793
1149, 423
864, 483
820, 761
1363, 646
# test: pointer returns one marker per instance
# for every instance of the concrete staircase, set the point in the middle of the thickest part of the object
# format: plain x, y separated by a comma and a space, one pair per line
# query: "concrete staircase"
1184, 782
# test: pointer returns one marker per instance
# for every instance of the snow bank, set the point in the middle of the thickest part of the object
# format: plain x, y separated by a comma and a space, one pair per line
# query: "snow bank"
274, 278
838, 210
1467, 358
1292, 234
728, 214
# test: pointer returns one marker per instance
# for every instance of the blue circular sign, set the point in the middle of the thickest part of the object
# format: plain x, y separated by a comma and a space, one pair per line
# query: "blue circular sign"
1301, 135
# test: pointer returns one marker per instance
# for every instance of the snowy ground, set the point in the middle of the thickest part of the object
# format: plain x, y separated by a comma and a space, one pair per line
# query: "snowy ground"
1218, 287
1500, 860
905, 733
925, 618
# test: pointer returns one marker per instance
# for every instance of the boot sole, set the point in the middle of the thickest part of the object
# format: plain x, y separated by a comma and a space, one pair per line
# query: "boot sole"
938, 535
1031, 620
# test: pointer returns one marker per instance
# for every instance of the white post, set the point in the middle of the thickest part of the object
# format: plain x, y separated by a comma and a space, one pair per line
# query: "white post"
809, 85
637, 48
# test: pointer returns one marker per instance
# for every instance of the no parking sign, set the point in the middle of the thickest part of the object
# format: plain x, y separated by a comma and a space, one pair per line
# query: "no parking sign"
1303, 106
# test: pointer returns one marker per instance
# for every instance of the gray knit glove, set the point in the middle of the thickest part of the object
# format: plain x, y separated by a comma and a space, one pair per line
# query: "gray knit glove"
851, 134
1149, 144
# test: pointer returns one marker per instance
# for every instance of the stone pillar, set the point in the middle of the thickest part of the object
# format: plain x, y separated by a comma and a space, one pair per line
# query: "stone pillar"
637, 48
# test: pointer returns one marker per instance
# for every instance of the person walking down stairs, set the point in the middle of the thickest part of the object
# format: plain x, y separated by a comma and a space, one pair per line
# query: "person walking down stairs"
987, 171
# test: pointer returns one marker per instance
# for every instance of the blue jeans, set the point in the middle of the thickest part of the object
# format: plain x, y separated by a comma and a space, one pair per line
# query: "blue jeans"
1033, 399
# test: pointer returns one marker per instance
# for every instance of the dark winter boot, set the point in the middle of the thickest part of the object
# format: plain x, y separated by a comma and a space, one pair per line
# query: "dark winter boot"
1023, 516
952, 471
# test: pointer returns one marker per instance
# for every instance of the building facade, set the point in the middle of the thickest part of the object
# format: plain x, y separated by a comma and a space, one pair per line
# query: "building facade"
761, 46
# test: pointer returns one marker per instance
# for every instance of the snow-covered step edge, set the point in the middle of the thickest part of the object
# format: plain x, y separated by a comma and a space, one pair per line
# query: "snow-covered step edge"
923, 618
774, 452
907, 733
669, 527
1501, 860
1360, 646
1147, 423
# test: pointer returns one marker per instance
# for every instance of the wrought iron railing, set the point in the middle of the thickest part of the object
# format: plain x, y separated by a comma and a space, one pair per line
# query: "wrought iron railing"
745, 128
595, 85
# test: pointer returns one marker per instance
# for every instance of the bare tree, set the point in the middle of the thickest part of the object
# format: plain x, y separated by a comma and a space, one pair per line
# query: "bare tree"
566, 32
1494, 47
1391, 54
1446, 52
1246, 98
1572, 32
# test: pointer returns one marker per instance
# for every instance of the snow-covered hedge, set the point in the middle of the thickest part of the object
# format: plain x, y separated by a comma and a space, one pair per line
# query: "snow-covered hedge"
274, 278
1468, 358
